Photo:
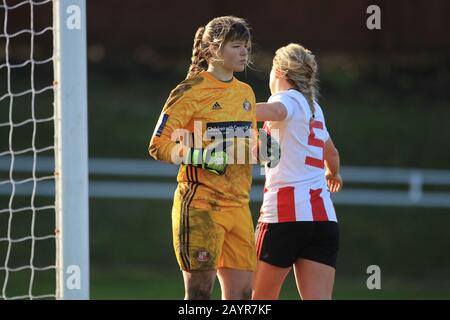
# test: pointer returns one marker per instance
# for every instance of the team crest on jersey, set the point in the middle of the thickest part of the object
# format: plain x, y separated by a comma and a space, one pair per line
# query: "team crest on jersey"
247, 105
202, 255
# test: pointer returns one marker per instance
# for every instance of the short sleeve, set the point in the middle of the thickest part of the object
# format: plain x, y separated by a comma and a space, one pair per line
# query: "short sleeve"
321, 117
286, 101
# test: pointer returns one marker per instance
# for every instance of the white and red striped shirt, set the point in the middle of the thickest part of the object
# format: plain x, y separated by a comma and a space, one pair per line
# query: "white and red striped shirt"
296, 189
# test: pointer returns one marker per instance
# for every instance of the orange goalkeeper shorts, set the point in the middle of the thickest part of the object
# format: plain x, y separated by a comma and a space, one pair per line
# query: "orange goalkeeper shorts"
212, 239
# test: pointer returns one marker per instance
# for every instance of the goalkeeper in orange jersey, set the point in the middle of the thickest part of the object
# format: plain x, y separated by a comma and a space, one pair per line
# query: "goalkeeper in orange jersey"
205, 117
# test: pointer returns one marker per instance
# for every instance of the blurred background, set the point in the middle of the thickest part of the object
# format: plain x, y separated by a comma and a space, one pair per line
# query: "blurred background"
384, 92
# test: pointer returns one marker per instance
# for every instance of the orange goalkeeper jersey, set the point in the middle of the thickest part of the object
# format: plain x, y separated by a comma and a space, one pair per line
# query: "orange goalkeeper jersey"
198, 109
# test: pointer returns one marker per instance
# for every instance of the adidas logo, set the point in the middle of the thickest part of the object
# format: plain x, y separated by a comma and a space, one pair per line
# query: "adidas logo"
216, 106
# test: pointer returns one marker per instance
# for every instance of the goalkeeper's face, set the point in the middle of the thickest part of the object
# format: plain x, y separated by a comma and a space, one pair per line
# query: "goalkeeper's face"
235, 55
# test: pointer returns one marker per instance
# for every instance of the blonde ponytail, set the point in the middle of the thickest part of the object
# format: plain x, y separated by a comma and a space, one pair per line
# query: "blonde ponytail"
298, 65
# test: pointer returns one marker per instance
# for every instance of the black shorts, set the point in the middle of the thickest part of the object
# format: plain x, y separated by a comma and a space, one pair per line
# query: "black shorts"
281, 244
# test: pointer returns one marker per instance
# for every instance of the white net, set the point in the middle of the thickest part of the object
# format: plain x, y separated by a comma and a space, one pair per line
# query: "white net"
27, 197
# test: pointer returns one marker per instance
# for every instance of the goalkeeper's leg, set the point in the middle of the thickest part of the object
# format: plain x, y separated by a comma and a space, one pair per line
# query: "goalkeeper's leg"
238, 259
198, 284
235, 284
197, 241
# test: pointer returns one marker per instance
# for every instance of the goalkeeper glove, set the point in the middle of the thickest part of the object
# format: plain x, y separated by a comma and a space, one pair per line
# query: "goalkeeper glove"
270, 151
211, 158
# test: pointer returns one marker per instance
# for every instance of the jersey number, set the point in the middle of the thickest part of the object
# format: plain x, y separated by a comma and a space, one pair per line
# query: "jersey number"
313, 141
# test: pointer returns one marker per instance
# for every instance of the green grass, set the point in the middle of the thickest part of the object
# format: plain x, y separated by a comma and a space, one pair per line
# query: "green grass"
132, 256
154, 284
395, 237
410, 246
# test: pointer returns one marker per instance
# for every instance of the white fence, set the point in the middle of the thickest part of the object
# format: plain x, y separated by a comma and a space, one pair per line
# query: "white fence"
408, 191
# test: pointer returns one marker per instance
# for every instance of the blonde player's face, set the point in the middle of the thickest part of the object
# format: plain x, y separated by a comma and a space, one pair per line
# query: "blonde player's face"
235, 55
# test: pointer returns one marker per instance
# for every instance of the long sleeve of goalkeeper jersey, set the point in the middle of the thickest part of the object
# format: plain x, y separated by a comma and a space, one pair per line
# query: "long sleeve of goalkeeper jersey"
176, 114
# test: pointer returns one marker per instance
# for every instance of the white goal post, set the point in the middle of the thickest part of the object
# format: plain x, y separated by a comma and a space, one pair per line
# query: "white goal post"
44, 219
71, 152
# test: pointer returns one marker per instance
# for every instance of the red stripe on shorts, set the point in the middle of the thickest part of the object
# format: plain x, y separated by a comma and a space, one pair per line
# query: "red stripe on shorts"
261, 234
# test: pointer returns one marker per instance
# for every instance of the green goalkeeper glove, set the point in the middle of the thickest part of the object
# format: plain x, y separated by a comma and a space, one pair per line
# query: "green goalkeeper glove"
269, 150
212, 159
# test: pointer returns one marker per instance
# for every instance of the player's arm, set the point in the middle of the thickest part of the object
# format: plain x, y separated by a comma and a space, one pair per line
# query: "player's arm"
166, 142
332, 164
174, 117
273, 111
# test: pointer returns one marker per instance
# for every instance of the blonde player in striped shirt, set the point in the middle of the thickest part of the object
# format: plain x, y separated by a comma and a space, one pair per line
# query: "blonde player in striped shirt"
297, 227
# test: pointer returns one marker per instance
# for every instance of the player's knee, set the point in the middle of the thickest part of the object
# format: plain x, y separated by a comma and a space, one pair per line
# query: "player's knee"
199, 289
198, 285
247, 293
316, 295
244, 293
198, 294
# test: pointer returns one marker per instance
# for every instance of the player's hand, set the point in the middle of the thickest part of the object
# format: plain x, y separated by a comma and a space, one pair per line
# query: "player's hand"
334, 182
269, 150
213, 158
